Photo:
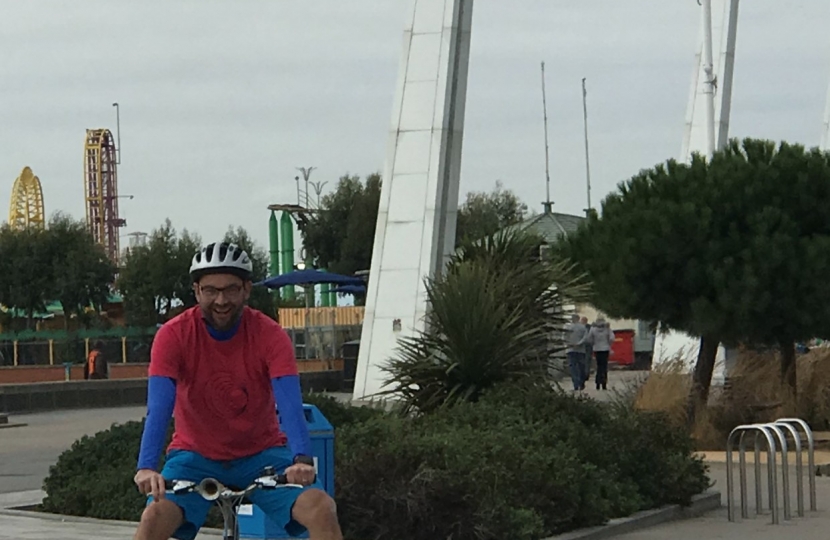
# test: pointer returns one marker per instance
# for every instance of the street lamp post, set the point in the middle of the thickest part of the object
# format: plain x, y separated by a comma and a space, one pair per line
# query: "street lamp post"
118, 129
306, 175
318, 189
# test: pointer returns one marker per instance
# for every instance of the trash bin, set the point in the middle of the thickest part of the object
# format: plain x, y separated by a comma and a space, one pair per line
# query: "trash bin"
253, 523
622, 350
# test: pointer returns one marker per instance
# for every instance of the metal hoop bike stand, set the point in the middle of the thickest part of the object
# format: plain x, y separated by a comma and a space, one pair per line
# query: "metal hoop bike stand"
775, 436
811, 457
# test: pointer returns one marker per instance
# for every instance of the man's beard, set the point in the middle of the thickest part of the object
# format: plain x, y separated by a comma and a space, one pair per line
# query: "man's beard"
232, 320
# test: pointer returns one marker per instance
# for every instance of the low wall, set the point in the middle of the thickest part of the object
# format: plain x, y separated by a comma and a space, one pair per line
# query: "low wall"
45, 396
36, 374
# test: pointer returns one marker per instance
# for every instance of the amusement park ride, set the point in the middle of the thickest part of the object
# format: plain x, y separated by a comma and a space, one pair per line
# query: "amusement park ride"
26, 208
100, 189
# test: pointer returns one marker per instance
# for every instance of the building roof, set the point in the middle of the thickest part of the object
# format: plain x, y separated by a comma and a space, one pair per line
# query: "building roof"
551, 225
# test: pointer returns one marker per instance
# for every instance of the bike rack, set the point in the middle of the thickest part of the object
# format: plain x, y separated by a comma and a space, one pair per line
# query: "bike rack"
770, 432
811, 458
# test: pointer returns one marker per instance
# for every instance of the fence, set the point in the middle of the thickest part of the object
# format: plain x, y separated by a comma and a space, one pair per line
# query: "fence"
773, 434
321, 342
51, 352
318, 316
56, 348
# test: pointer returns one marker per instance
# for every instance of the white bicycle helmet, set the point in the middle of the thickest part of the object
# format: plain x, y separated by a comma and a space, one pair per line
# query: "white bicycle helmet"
221, 258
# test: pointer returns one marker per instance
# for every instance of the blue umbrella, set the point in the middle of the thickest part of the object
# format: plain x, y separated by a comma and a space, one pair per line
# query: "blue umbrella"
350, 289
309, 276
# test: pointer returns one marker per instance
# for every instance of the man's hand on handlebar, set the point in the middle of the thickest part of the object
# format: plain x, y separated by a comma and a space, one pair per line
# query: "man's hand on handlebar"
150, 482
301, 474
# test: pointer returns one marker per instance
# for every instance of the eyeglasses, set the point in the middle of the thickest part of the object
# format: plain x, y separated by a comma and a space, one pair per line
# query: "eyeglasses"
230, 292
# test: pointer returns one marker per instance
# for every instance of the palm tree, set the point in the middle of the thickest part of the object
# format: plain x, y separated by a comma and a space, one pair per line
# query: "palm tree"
496, 315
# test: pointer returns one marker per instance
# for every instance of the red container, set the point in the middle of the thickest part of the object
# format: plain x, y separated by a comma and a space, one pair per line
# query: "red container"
622, 351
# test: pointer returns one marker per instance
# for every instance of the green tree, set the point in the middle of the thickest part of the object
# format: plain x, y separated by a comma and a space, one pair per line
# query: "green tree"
483, 214
773, 284
261, 298
186, 247
81, 273
25, 270
735, 250
155, 278
61, 262
136, 287
495, 316
341, 234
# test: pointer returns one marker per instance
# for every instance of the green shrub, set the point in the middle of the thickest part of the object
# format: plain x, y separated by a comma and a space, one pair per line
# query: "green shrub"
640, 446
95, 476
523, 462
340, 414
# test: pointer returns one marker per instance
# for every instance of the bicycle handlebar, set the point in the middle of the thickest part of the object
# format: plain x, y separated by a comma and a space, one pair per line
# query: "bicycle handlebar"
211, 489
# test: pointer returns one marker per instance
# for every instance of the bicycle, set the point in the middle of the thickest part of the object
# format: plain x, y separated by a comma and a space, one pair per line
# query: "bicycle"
229, 498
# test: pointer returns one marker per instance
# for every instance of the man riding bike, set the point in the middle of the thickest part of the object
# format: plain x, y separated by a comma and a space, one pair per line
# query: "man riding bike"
223, 367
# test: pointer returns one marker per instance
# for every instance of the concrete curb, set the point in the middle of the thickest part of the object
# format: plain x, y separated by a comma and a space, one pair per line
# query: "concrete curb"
21, 498
129, 525
701, 504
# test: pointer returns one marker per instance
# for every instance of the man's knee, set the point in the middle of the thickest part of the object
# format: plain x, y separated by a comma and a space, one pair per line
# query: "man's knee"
315, 510
159, 521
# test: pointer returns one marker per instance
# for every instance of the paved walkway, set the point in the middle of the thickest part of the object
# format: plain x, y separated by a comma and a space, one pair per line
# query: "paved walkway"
27, 452
715, 525
25, 528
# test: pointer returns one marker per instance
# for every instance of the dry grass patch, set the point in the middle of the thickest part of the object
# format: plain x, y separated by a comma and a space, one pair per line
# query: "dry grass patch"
755, 394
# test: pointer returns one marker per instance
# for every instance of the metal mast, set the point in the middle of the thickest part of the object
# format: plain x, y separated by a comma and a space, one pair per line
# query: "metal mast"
587, 159
547, 204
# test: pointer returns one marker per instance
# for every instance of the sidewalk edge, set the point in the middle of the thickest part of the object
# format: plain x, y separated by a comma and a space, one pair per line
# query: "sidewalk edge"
701, 504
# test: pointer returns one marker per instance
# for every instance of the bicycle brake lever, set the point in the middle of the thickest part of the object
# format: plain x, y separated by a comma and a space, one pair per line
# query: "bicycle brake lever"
270, 481
179, 486
274, 481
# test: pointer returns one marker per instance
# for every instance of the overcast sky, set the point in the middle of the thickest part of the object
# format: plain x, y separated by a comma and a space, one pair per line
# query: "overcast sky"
221, 100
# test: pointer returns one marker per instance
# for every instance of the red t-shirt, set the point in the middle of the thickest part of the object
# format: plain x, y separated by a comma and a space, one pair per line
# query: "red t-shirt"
225, 405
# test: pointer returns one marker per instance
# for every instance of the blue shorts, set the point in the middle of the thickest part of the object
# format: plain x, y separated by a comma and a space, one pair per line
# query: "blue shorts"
276, 504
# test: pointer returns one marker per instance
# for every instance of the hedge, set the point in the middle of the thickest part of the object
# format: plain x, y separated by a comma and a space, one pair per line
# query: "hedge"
523, 463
